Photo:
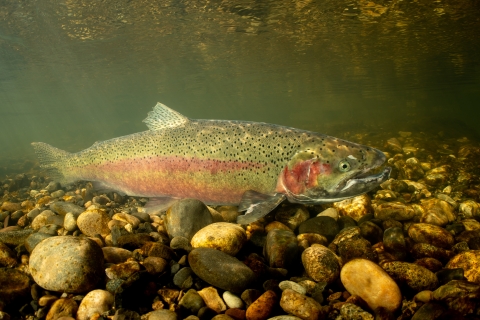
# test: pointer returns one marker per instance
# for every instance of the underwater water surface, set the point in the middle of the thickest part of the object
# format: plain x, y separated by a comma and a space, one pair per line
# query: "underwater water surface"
76, 72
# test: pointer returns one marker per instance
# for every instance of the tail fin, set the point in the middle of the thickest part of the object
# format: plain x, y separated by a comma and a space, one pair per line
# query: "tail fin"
52, 159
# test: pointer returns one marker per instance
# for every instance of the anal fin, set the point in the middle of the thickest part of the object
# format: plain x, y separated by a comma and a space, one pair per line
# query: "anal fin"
257, 205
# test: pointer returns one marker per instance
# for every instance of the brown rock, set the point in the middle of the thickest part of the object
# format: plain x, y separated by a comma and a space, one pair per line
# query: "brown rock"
11, 206
155, 265
437, 212
14, 285
276, 225
261, 308
122, 270
300, 305
355, 208
432, 234
469, 261
212, 299
62, 308
156, 249
236, 314
116, 255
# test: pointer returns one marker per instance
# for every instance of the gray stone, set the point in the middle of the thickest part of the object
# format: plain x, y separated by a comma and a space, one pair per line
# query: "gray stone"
15, 238
67, 264
292, 285
62, 208
326, 226
183, 278
52, 186
192, 301
41, 219
220, 269
186, 217
34, 239
33, 213
281, 248
51, 229
57, 194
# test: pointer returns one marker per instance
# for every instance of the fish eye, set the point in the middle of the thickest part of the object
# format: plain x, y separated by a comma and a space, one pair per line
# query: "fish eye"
344, 166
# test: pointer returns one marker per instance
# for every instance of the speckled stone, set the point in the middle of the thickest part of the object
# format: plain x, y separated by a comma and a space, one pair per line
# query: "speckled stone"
351, 311
185, 217
469, 261
261, 308
321, 264
96, 301
127, 218
7, 257
354, 248
220, 269
432, 234
162, 314
367, 280
281, 248
425, 250
413, 275
223, 236
300, 305
67, 264
394, 242
93, 222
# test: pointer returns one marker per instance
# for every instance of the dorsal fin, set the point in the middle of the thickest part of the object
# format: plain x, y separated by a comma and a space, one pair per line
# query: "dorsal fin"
162, 117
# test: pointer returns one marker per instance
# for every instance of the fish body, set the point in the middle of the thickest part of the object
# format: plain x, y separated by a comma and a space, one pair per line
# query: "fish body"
222, 163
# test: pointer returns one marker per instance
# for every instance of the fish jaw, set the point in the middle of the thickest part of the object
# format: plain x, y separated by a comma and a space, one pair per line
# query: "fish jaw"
316, 176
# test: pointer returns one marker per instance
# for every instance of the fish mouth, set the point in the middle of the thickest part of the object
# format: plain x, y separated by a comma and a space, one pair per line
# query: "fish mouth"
367, 180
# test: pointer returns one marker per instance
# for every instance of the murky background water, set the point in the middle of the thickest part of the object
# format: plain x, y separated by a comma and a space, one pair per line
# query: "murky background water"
73, 72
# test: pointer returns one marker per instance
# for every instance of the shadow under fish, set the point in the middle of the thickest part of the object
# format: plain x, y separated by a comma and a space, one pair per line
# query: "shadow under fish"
250, 164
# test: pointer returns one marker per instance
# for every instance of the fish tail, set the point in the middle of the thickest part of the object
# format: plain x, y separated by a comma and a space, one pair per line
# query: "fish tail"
53, 160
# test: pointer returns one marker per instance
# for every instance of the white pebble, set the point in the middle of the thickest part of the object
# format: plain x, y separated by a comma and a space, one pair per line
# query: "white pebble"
232, 301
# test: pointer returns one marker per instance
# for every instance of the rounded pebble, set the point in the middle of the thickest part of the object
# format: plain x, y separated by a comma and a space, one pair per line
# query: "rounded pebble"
93, 222
96, 301
300, 305
223, 236
413, 275
367, 280
232, 300
261, 308
431, 234
469, 261
281, 248
179, 222
67, 264
320, 263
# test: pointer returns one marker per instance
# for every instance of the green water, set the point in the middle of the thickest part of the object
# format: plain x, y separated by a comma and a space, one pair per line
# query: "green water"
75, 72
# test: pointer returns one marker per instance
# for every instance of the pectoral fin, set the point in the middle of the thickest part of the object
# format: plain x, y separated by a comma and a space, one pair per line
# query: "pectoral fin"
158, 204
257, 205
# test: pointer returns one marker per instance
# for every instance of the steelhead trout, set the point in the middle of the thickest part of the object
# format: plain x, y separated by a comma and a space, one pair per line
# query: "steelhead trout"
250, 164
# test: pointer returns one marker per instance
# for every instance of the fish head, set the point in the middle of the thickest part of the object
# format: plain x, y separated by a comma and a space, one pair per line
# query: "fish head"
327, 169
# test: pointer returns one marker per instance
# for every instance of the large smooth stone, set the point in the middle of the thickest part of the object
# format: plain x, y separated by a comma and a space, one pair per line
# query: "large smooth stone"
320, 263
220, 269
223, 236
185, 217
67, 264
367, 280
62, 208
355, 208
